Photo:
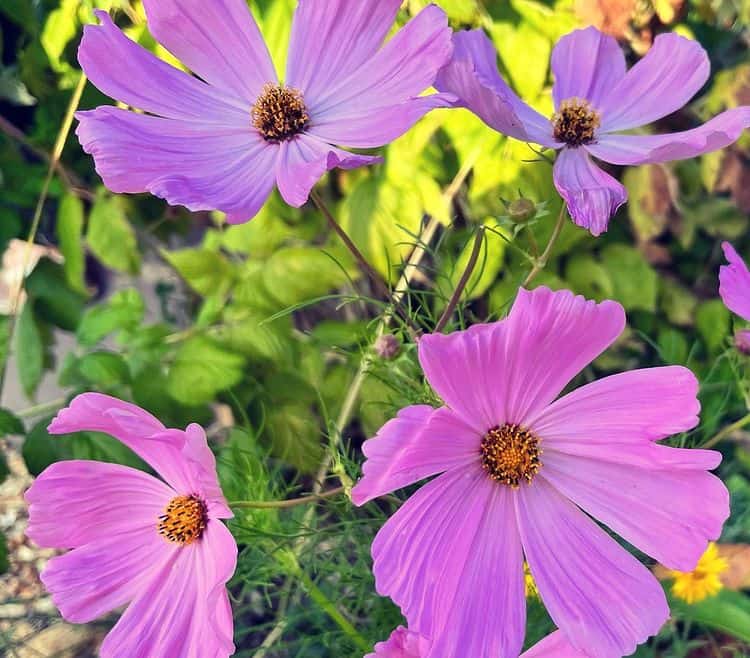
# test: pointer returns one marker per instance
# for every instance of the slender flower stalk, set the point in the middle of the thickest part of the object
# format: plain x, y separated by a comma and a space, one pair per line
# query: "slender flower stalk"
285, 504
541, 262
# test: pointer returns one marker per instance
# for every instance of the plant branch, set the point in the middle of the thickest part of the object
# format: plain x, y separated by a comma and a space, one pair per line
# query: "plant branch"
284, 504
729, 429
541, 262
456, 297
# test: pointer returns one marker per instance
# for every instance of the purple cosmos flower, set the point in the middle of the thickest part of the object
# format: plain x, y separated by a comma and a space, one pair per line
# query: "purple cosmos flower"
519, 473
221, 141
734, 288
155, 545
405, 644
595, 97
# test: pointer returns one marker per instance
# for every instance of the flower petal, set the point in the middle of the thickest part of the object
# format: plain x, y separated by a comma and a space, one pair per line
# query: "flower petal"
100, 576
508, 371
555, 645
668, 513
404, 68
472, 75
587, 64
76, 502
199, 166
401, 644
217, 40
451, 559
636, 406
332, 39
198, 454
177, 614
124, 70
600, 596
715, 134
419, 442
304, 160
592, 195
668, 76
734, 283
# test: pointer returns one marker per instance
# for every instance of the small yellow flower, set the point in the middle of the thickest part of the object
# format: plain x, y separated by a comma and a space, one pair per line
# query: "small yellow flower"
531, 590
694, 586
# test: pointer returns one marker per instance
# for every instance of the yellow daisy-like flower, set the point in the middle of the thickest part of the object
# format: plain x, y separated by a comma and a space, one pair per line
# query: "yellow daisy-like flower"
531, 590
703, 581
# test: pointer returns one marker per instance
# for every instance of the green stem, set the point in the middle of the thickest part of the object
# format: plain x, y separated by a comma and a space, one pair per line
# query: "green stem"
39, 409
284, 504
541, 262
739, 424
463, 281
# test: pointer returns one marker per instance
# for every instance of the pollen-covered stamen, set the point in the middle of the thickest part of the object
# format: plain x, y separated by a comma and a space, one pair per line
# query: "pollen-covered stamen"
280, 113
575, 122
510, 454
184, 520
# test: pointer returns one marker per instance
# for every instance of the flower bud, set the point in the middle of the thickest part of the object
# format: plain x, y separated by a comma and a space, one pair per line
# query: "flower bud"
521, 210
387, 347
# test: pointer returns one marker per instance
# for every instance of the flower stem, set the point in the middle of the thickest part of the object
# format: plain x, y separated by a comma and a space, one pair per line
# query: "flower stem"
739, 424
284, 504
62, 137
455, 298
541, 262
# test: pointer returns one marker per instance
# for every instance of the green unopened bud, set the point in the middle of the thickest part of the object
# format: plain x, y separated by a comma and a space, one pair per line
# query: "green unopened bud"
521, 210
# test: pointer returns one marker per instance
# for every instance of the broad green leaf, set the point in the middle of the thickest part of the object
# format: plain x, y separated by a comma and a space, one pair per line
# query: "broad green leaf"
589, 278
293, 434
634, 281
201, 369
206, 272
29, 350
54, 301
673, 346
712, 320
59, 30
528, 74
650, 190
677, 302
105, 370
110, 236
101, 447
124, 310
70, 220
40, 449
246, 331
10, 423
728, 612
276, 24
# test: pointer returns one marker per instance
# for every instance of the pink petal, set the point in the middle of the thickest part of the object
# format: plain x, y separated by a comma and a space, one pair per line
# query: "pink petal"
402, 643
304, 160
198, 454
217, 40
332, 39
177, 613
668, 76
76, 502
636, 406
200, 166
586, 64
419, 442
100, 576
508, 371
124, 70
473, 77
592, 195
451, 559
715, 134
734, 283
555, 645
600, 596
668, 513
404, 68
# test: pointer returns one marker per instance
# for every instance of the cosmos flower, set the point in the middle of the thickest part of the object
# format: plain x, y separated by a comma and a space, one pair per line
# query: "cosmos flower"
596, 98
734, 288
223, 139
406, 644
157, 546
520, 473
703, 581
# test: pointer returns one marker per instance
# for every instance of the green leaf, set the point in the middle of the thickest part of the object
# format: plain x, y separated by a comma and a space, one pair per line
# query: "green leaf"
12, 89
589, 278
4, 564
29, 350
59, 30
206, 272
634, 281
110, 236
10, 423
101, 447
69, 233
677, 302
293, 433
104, 370
4, 469
712, 320
673, 346
728, 612
40, 449
246, 331
201, 369
124, 310
54, 301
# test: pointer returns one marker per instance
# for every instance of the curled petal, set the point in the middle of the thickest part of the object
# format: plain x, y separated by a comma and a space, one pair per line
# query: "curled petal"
734, 283
592, 195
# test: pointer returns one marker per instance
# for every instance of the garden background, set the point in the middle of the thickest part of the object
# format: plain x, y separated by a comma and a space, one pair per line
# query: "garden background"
266, 333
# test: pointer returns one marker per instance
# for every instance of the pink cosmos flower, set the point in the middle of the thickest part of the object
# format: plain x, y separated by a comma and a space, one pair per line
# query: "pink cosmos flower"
519, 473
220, 141
405, 644
157, 546
734, 288
596, 98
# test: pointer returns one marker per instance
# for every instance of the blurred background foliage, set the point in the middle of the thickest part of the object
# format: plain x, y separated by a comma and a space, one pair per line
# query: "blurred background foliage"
257, 331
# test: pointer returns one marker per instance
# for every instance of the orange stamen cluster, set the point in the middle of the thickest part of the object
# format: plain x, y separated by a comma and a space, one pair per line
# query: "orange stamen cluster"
575, 122
510, 454
184, 520
280, 113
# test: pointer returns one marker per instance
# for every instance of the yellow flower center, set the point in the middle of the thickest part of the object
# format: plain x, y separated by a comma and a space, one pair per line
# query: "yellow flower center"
703, 581
575, 122
279, 113
184, 520
510, 454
